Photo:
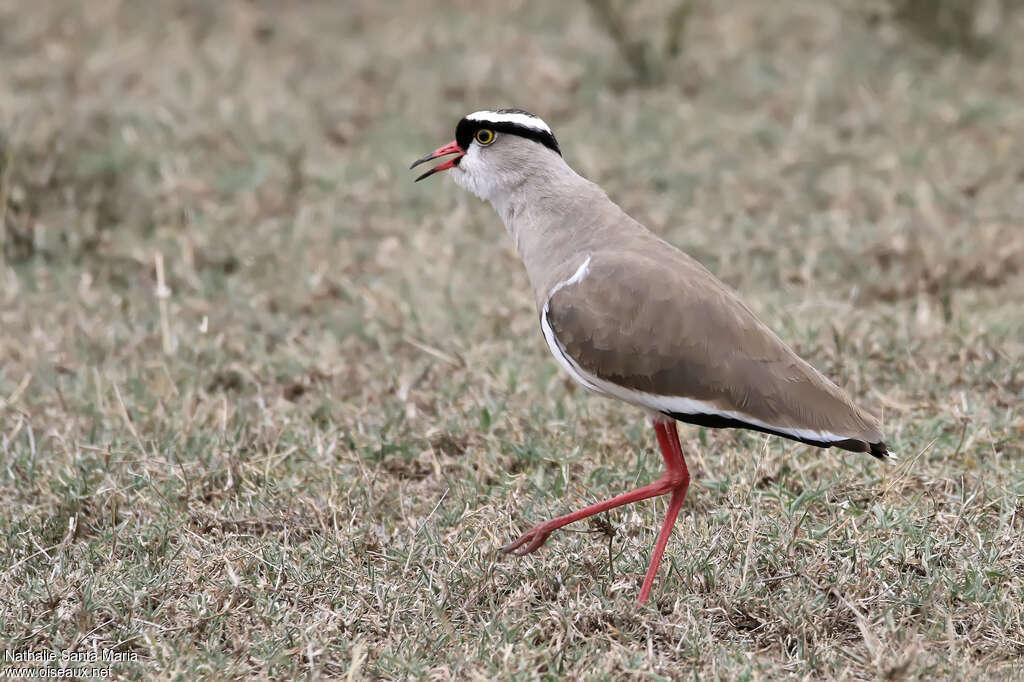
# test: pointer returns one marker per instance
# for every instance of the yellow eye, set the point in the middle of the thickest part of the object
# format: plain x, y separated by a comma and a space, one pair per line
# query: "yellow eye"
485, 136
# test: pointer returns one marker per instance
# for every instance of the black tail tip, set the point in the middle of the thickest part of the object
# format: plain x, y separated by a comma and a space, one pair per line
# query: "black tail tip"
880, 450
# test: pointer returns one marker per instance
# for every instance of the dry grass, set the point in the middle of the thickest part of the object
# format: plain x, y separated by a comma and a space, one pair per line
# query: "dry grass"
297, 453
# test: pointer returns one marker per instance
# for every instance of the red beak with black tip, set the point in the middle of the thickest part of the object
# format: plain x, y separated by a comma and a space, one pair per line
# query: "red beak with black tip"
450, 148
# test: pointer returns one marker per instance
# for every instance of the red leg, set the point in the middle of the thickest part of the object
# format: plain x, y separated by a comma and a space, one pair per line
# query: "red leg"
668, 438
676, 479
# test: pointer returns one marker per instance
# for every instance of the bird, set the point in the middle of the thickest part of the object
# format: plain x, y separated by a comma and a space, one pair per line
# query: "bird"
629, 316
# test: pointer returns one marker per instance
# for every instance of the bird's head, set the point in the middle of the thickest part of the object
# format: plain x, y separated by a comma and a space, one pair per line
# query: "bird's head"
494, 151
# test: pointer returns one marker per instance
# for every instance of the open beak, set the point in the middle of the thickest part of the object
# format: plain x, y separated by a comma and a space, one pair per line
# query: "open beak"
450, 148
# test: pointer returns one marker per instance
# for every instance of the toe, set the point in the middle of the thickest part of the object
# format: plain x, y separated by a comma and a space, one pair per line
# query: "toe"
512, 546
527, 542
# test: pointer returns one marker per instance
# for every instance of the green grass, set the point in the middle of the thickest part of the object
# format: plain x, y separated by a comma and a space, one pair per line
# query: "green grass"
298, 456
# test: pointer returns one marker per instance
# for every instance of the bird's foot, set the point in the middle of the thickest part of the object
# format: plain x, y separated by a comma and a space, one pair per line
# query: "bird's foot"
528, 541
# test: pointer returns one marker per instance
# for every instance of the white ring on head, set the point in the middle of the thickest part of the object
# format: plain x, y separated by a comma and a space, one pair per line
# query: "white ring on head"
525, 120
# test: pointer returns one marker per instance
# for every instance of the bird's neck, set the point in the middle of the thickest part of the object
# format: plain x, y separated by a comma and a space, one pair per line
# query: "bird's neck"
556, 218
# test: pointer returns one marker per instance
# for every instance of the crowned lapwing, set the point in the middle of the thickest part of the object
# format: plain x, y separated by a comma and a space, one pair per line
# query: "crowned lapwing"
630, 316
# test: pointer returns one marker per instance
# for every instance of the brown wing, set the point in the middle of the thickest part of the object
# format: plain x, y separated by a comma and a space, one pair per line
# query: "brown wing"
656, 321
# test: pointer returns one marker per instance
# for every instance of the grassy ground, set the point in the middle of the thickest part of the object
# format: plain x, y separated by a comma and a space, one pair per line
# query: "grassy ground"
267, 408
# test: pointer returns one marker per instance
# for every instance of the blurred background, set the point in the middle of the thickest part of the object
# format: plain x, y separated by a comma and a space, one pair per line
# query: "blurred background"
267, 407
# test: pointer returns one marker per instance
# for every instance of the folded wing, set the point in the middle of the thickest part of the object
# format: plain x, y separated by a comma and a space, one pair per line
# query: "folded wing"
655, 328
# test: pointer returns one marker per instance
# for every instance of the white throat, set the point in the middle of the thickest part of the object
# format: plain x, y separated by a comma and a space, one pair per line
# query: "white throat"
505, 190
474, 175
